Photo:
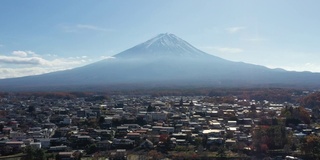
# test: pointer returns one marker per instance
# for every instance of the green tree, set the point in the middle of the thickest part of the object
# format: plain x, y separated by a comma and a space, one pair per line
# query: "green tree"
31, 109
151, 108
34, 154
1, 127
222, 153
101, 120
30, 153
78, 155
91, 149
6, 150
294, 116
198, 141
40, 154
311, 146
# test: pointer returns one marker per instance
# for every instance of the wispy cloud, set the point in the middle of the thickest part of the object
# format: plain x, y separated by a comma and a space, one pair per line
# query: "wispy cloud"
229, 50
255, 39
81, 27
222, 49
106, 57
235, 29
51, 55
1, 45
91, 27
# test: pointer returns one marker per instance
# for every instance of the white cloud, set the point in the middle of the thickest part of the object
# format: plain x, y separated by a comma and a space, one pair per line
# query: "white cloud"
20, 53
66, 62
20, 72
23, 53
235, 29
312, 67
24, 63
1, 45
23, 60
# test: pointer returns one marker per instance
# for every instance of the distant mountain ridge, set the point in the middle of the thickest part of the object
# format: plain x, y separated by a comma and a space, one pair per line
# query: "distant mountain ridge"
163, 61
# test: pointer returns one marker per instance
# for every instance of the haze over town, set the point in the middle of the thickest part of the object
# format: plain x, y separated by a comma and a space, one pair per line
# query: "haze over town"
67, 34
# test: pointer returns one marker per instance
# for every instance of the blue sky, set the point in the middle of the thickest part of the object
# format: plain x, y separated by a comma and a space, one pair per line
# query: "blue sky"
43, 36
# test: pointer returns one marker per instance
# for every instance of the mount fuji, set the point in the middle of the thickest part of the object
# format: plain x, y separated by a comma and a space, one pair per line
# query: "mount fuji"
163, 61
163, 45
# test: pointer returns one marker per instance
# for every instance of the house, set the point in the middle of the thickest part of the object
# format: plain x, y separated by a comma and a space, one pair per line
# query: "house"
104, 145
28, 141
214, 124
147, 144
104, 134
158, 116
17, 135
232, 123
131, 127
157, 129
214, 140
179, 136
81, 113
119, 154
134, 136
6, 130
45, 142
213, 132
35, 145
122, 143
67, 121
230, 143
65, 155
16, 145
84, 139
122, 131
58, 148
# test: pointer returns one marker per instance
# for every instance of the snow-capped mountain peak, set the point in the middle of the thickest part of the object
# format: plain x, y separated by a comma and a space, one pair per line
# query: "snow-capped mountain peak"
165, 39
165, 44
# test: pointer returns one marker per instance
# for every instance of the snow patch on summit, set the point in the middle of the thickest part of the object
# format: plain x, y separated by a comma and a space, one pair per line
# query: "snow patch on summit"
165, 44
163, 39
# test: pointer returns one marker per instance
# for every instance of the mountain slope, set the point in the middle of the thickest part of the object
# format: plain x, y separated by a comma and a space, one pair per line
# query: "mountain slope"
164, 60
